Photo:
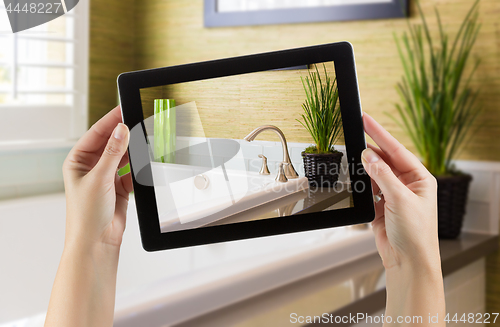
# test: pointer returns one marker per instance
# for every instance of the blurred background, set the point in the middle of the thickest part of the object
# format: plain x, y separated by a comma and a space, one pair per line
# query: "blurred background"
59, 78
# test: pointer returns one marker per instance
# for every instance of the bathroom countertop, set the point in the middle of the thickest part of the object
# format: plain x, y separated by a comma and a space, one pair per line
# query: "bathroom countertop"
298, 203
358, 286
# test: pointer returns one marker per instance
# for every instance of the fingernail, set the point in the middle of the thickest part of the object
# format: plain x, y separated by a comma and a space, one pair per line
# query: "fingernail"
370, 156
120, 132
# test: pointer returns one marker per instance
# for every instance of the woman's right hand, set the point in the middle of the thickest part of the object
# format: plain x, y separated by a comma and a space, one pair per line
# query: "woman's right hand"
405, 228
405, 223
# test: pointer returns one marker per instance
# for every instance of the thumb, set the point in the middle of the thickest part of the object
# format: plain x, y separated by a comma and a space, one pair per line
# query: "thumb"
113, 152
382, 174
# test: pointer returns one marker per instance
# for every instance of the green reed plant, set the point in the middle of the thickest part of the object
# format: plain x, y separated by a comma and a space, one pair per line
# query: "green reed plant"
438, 103
322, 117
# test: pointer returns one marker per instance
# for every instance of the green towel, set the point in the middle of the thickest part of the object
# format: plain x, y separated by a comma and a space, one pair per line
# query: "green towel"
164, 130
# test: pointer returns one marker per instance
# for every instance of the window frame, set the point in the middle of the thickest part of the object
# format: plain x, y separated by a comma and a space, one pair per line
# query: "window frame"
53, 125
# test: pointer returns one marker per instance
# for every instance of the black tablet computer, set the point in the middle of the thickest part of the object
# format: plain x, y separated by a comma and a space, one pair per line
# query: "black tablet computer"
232, 149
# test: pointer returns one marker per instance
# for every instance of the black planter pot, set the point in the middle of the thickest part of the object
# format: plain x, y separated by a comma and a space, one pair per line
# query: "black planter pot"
452, 199
322, 169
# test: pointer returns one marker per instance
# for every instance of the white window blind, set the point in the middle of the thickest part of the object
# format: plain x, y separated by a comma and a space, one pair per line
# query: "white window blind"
43, 79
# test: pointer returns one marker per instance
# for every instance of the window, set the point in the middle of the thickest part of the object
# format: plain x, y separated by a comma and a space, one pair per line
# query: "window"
43, 79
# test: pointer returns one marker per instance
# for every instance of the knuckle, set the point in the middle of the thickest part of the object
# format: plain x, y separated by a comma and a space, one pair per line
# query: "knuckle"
432, 182
383, 169
399, 148
402, 197
69, 163
112, 149
66, 164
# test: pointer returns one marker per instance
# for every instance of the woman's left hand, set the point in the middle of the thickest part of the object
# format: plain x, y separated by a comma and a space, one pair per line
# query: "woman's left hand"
96, 197
96, 206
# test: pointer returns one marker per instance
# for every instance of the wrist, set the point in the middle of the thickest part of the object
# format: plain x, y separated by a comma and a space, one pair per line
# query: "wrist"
415, 289
416, 257
91, 236
415, 273
98, 253
425, 261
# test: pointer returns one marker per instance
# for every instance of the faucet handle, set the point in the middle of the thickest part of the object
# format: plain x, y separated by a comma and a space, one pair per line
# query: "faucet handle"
264, 170
281, 177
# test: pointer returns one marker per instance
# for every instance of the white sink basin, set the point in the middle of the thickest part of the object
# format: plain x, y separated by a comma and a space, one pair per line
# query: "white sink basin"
181, 205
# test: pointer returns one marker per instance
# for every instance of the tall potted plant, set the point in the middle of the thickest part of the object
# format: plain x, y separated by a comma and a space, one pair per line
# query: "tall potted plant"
323, 121
438, 107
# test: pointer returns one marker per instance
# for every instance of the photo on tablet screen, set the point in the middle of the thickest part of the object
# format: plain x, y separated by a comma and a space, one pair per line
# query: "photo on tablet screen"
246, 147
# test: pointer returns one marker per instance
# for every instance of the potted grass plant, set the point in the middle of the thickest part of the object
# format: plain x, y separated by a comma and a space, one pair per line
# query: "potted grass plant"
323, 121
438, 107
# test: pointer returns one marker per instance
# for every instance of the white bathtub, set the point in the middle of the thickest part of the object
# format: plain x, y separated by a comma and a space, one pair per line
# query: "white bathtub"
160, 288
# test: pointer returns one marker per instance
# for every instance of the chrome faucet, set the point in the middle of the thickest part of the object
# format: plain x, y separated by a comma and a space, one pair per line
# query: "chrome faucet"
290, 172
281, 177
264, 170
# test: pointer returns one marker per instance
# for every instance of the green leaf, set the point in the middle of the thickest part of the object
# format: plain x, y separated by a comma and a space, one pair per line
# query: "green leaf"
322, 117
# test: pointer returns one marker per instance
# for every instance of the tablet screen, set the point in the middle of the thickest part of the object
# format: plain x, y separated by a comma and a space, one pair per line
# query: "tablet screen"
246, 147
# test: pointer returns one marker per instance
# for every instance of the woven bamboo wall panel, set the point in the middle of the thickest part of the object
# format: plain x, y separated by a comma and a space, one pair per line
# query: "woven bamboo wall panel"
111, 52
232, 106
172, 33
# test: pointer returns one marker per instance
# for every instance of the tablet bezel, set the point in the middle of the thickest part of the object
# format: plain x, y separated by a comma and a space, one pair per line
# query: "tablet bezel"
129, 85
